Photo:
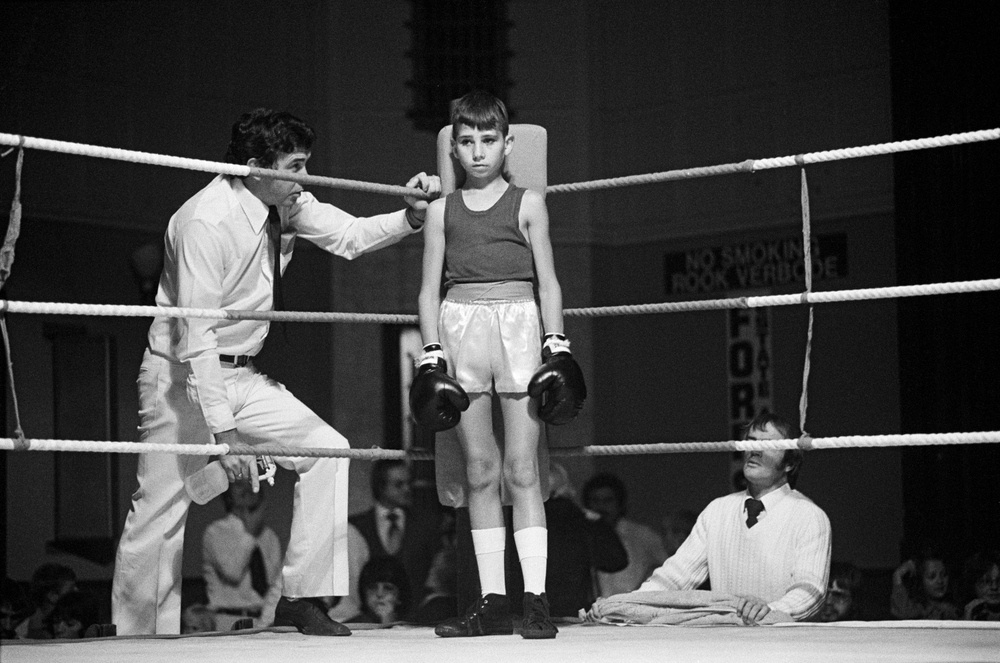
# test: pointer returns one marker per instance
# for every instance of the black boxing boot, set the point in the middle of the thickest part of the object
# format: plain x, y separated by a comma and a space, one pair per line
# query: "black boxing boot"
490, 615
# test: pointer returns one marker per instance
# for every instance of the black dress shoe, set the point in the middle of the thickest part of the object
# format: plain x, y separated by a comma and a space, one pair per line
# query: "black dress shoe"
537, 624
308, 616
490, 615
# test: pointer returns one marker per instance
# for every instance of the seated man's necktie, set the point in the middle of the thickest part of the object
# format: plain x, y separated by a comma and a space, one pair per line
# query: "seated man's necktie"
754, 509
394, 537
258, 573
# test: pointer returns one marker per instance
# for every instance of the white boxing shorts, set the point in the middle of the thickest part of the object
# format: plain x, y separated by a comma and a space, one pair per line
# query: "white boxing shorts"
491, 335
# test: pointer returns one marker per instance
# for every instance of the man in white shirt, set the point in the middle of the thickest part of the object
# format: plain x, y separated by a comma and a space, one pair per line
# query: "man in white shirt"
769, 545
241, 560
225, 249
605, 494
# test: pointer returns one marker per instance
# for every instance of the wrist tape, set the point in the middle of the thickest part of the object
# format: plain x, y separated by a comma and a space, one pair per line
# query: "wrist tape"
555, 343
432, 352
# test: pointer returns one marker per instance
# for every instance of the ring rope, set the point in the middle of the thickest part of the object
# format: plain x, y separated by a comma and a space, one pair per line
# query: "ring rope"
151, 159
280, 451
753, 165
747, 166
825, 297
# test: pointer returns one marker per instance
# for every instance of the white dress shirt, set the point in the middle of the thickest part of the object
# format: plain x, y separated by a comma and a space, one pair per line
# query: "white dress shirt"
218, 256
784, 559
226, 550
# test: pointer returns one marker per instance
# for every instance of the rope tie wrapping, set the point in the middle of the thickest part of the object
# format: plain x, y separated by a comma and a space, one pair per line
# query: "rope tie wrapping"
807, 258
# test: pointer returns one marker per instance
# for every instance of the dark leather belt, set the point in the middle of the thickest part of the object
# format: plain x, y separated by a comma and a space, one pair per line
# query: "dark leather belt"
239, 361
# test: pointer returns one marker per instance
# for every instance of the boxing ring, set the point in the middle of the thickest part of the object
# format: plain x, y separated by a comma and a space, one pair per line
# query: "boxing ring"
924, 640
882, 642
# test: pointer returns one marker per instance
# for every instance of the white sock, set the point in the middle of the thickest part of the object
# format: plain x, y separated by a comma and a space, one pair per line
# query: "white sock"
489, 545
533, 551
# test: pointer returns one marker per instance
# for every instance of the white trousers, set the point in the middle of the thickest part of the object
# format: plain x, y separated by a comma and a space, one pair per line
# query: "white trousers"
146, 590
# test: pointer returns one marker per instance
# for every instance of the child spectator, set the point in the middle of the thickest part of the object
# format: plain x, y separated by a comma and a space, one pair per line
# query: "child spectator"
49, 583
981, 577
73, 614
840, 604
384, 590
921, 589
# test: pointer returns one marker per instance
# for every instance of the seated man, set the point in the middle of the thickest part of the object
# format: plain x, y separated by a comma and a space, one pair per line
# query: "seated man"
241, 560
768, 545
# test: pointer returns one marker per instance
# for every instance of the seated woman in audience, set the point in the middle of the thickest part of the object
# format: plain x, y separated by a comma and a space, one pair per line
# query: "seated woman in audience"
982, 583
384, 590
921, 589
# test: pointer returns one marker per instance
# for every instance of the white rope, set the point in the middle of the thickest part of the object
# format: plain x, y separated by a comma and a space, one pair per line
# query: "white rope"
753, 165
151, 159
878, 149
843, 442
890, 292
748, 166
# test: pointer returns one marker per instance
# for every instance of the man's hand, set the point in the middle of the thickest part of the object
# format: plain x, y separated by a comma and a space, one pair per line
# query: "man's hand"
751, 609
238, 468
429, 184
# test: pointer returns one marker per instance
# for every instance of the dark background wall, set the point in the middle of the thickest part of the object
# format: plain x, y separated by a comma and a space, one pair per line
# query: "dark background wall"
622, 88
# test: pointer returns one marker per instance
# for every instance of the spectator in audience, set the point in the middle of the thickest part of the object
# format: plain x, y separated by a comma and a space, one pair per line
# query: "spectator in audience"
73, 614
921, 589
197, 618
981, 577
676, 526
768, 545
49, 583
581, 541
440, 600
15, 608
393, 528
384, 590
840, 604
605, 494
241, 560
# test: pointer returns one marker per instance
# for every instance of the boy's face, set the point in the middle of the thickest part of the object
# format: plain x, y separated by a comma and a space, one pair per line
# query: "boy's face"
281, 192
481, 152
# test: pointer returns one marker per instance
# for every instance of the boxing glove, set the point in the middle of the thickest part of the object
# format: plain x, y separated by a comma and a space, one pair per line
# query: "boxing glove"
437, 401
558, 384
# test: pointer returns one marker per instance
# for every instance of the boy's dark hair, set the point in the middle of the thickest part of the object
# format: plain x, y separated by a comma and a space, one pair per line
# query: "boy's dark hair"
81, 606
480, 110
47, 578
914, 582
975, 567
386, 569
792, 457
263, 134
606, 480
380, 474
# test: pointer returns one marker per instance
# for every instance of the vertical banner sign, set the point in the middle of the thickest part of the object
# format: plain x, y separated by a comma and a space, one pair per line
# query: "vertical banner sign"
748, 341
